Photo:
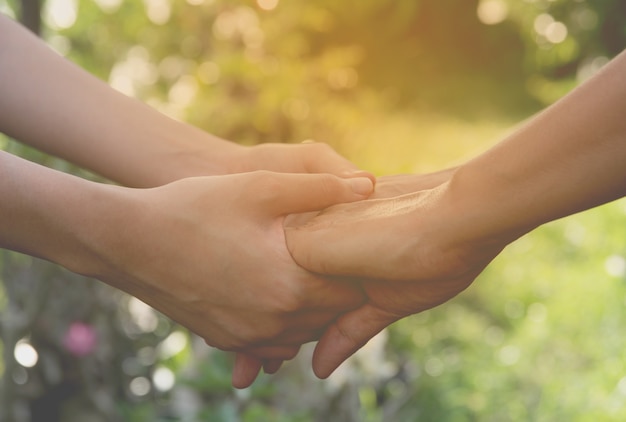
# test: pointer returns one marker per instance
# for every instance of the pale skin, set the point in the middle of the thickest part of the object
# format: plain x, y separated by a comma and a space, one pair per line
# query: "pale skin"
207, 251
420, 249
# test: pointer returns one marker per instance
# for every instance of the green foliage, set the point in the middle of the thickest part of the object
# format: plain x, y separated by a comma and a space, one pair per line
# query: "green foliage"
403, 86
567, 40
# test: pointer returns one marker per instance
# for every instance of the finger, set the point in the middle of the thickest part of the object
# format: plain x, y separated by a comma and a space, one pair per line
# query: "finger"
295, 193
282, 352
341, 241
347, 335
336, 249
272, 366
322, 158
246, 369
300, 219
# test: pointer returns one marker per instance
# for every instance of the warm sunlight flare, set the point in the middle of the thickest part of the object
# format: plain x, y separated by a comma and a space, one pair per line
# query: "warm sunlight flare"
492, 12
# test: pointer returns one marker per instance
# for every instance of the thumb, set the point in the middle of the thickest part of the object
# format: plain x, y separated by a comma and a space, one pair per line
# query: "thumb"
298, 193
245, 370
347, 335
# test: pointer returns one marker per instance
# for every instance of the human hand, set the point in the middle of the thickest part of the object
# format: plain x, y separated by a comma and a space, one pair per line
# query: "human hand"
388, 187
414, 252
210, 253
306, 157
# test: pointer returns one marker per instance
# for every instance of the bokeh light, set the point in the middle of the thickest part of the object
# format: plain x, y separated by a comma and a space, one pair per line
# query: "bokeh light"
173, 345
267, 4
163, 379
615, 266
492, 12
61, 14
25, 354
140, 386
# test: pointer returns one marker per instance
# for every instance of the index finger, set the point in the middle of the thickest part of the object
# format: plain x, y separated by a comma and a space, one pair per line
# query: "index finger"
347, 335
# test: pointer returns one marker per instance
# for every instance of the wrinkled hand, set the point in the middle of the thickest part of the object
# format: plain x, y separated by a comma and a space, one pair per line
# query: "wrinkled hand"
412, 250
210, 253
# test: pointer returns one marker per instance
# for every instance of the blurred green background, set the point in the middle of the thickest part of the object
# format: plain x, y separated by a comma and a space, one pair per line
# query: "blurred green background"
396, 86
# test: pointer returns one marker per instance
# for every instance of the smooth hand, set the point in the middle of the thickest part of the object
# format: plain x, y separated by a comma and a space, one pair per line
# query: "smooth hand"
210, 253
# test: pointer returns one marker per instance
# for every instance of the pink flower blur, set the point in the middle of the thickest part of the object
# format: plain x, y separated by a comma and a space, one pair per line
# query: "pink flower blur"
80, 339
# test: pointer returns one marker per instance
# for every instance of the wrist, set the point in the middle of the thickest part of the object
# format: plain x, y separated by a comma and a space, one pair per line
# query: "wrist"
488, 206
186, 151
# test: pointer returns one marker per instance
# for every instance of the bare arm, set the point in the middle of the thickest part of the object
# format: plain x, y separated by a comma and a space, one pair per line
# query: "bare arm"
53, 105
209, 252
433, 243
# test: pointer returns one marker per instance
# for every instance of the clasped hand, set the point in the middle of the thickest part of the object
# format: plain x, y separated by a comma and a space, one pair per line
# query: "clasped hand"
406, 249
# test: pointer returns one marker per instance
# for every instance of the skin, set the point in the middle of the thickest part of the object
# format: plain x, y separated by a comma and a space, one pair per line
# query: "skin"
207, 251
81, 119
162, 245
247, 366
418, 250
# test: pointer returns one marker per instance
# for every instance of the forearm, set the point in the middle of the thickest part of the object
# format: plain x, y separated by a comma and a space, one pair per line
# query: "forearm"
570, 158
52, 215
55, 106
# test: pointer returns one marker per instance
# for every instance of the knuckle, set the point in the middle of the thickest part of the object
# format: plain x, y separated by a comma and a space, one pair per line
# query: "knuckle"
323, 147
347, 334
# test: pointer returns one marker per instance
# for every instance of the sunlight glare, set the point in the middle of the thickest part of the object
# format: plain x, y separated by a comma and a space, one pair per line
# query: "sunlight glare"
615, 265
7, 10
143, 315
172, 345
588, 68
492, 12
542, 22
267, 4
140, 386
163, 379
556, 32
25, 354
183, 91
61, 14
509, 355
109, 6
621, 386
158, 11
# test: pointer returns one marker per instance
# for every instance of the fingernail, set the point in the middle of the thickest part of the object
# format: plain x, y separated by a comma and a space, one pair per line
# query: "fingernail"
361, 185
359, 173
